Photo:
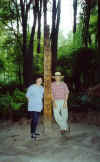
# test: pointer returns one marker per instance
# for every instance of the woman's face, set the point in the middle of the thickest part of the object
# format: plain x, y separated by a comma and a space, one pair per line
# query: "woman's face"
39, 81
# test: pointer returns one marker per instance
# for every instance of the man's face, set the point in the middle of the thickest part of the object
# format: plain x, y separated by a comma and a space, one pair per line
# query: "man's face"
39, 81
58, 78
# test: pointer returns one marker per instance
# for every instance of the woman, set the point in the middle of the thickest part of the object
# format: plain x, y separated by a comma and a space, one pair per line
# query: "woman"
35, 105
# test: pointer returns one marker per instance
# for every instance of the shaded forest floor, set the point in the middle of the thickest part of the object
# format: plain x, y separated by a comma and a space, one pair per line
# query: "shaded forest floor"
81, 145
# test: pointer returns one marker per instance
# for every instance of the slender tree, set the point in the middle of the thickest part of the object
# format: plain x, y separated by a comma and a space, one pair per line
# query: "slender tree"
75, 14
56, 10
86, 19
39, 25
45, 17
28, 46
87, 5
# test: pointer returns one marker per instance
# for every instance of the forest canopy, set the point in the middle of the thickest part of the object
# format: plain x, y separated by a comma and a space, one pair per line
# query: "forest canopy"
22, 41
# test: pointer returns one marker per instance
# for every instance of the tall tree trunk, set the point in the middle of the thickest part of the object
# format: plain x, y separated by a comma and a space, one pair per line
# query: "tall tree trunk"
54, 32
86, 10
75, 14
18, 46
98, 43
45, 17
28, 49
39, 26
31, 44
47, 77
24, 48
98, 25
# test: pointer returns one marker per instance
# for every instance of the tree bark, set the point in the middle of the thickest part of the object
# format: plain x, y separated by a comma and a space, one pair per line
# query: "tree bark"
47, 77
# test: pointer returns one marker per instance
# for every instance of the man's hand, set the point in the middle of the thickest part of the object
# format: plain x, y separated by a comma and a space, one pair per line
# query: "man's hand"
65, 104
54, 105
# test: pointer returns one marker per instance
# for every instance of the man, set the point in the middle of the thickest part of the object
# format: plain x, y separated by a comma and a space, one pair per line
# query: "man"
60, 94
35, 95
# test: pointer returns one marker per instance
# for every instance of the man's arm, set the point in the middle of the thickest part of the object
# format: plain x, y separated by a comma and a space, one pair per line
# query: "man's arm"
66, 92
66, 95
53, 101
52, 96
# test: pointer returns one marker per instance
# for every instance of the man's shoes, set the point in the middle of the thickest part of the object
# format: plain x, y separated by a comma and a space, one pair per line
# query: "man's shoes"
62, 132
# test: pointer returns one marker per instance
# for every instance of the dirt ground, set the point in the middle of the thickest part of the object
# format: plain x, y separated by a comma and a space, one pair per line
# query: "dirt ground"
81, 145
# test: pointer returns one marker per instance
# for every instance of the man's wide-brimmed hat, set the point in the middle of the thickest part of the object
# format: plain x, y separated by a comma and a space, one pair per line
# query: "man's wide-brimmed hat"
58, 74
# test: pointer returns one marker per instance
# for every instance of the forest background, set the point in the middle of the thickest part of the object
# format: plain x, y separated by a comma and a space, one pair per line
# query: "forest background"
75, 52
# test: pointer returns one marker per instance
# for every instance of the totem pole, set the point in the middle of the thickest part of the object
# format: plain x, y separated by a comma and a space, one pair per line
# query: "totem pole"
47, 76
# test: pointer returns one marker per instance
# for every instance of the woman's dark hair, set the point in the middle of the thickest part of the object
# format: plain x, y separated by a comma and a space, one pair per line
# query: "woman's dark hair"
37, 77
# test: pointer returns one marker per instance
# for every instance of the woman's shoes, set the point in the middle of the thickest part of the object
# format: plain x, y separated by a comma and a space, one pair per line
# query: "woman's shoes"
35, 136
